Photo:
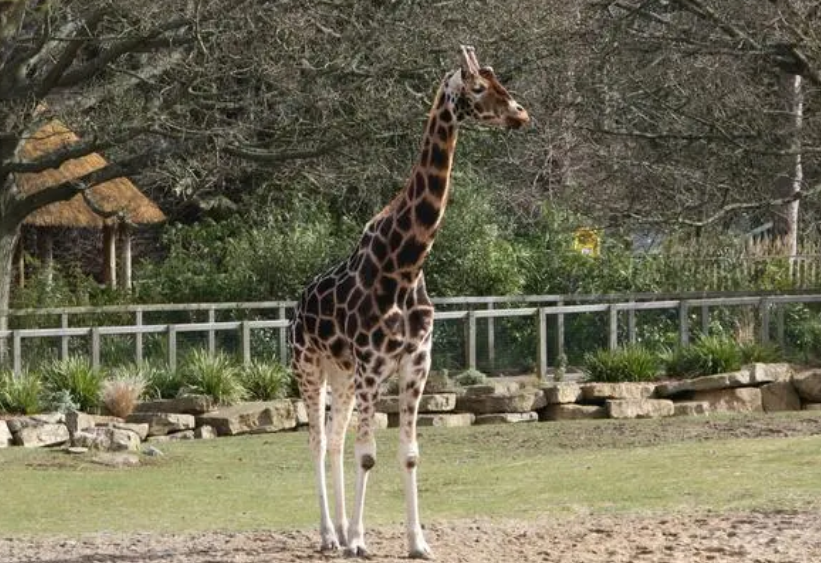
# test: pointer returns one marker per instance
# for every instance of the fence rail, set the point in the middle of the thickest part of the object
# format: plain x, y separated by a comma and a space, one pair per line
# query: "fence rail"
544, 308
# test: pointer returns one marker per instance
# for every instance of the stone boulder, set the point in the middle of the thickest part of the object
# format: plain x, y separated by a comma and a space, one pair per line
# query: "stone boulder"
752, 375
438, 382
738, 399
601, 392
16, 424
560, 393
186, 404
524, 400
572, 412
639, 408
765, 373
160, 424
691, 408
41, 434
506, 418
77, 421
811, 407
175, 437
301, 412
141, 430
107, 439
245, 417
118, 460
494, 386
808, 385
439, 402
780, 396
6, 437
446, 420
205, 433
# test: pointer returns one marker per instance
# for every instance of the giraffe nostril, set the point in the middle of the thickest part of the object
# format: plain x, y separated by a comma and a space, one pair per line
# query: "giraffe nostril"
519, 108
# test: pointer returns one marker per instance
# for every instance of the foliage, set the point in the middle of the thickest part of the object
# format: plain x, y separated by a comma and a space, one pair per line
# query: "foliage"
20, 395
122, 390
265, 381
755, 352
161, 382
802, 327
629, 363
707, 356
216, 375
469, 377
77, 378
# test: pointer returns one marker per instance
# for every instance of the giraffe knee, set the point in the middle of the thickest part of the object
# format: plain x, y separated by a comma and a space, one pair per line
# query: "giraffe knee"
367, 462
411, 462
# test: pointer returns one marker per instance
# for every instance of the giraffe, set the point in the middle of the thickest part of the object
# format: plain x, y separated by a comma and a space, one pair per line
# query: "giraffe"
370, 316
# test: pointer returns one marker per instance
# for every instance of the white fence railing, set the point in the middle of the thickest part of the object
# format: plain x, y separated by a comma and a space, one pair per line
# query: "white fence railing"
539, 308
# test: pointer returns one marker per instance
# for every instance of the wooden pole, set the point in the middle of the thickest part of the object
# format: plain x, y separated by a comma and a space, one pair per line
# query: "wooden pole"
109, 256
125, 256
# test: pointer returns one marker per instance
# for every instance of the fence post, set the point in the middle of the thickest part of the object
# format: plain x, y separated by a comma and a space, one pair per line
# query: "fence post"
470, 336
172, 347
559, 333
705, 320
779, 325
541, 324
612, 327
212, 334
491, 339
16, 353
683, 323
63, 339
138, 338
95, 347
631, 324
283, 337
764, 314
245, 341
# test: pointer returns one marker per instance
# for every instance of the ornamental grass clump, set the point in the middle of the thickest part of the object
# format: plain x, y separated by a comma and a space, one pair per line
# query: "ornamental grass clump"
265, 381
629, 363
74, 378
20, 395
214, 375
122, 391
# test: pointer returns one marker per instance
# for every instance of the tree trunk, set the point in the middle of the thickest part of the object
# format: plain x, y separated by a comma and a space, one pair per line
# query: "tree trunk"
798, 170
8, 242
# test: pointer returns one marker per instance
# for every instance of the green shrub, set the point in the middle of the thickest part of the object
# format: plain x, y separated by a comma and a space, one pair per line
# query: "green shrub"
630, 363
707, 356
74, 376
470, 377
764, 353
161, 382
21, 395
266, 380
216, 376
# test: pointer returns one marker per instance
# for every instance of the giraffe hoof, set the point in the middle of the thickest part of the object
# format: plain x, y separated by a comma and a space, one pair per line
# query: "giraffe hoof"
421, 553
357, 551
329, 546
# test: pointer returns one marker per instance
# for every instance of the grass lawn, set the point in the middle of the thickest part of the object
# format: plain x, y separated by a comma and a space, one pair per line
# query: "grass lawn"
522, 470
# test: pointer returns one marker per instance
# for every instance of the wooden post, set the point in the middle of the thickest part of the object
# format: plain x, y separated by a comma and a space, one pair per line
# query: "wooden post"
283, 337
172, 347
109, 256
95, 347
124, 231
631, 324
612, 327
470, 337
212, 334
491, 339
683, 323
245, 339
559, 333
64, 339
541, 357
138, 338
764, 315
16, 353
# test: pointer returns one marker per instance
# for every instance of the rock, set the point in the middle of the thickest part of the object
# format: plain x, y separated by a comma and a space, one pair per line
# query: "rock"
525, 400
160, 424
16, 424
507, 418
768, 373
811, 407
118, 460
639, 408
186, 404
50, 418
494, 386
77, 421
691, 408
107, 439
76, 450
438, 382
205, 433
780, 396
440, 402
572, 412
807, 383
445, 420
42, 434
245, 417
301, 412
153, 451
559, 393
739, 399
103, 419
6, 437
182, 435
754, 374
601, 392
141, 430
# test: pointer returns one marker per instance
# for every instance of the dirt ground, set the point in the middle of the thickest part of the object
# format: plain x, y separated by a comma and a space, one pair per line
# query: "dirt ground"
756, 537
749, 537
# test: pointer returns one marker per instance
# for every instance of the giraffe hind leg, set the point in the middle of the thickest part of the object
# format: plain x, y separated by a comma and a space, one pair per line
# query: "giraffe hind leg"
342, 393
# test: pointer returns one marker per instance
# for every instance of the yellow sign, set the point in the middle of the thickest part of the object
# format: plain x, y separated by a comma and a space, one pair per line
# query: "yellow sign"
586, 241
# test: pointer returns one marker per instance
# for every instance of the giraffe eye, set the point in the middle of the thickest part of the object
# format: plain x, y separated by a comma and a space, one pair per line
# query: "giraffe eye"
478, 89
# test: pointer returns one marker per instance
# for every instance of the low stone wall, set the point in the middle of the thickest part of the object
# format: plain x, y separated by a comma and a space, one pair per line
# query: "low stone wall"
758, 387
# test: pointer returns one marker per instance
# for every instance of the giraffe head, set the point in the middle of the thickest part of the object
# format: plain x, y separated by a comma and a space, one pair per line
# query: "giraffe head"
480, 95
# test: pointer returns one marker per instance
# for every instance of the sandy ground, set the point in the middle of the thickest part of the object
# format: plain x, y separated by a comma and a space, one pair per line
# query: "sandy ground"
755, 537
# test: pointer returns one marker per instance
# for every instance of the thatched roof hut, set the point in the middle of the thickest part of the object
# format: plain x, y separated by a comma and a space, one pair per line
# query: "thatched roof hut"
118, 195
118, 199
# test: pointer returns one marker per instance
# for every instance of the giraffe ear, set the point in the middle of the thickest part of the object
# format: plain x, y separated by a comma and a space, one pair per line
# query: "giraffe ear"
467, 59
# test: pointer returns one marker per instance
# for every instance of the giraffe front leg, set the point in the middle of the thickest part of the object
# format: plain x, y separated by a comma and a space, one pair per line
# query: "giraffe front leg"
412, 382
365, 455
341, 409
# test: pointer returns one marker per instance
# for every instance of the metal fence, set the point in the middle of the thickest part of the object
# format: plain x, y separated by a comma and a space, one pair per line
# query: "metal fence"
543, 316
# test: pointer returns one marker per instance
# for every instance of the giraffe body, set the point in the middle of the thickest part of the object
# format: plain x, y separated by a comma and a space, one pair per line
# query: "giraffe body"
370, 316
